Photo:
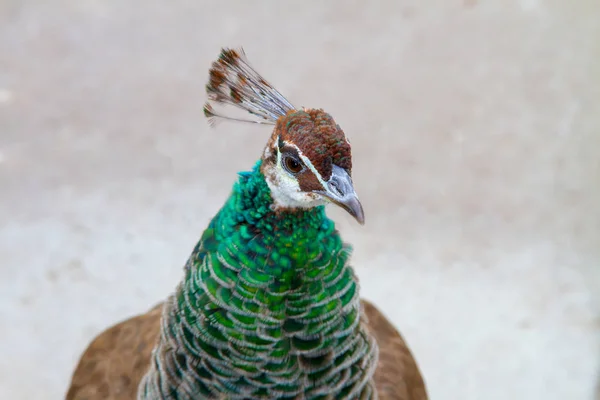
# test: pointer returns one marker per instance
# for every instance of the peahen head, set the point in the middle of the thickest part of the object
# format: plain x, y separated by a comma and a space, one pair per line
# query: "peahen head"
307, 161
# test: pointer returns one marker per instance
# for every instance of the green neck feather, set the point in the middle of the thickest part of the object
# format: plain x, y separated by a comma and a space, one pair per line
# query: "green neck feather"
268, 308
279, 244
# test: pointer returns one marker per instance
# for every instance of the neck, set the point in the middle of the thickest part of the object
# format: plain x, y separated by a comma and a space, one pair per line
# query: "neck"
269, 307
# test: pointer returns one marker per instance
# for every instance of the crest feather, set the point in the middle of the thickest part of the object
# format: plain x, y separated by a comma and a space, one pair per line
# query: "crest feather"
232, 81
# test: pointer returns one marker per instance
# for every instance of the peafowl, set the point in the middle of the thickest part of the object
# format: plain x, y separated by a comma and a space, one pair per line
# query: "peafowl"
269, 305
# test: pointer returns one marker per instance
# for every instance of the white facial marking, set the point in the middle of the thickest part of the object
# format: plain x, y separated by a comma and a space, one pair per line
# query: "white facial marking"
267, 152
310, 166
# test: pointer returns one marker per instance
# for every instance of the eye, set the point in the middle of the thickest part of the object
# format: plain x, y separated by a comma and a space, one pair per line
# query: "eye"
292, 164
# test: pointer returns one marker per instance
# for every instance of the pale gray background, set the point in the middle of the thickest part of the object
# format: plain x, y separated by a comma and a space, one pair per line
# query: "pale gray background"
475, 129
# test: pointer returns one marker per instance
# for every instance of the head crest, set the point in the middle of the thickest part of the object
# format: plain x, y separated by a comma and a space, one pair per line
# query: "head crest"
232, 81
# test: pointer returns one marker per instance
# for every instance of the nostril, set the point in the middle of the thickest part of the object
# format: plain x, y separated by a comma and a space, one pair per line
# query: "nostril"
333, 186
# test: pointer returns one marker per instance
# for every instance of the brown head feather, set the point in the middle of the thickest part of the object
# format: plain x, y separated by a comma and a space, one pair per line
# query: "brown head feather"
318, 137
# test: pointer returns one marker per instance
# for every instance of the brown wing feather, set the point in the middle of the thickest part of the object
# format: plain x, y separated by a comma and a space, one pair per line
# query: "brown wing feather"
397, 376
114, 363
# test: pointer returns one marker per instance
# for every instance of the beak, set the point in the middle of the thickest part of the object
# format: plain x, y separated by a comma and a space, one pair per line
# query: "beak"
340, 191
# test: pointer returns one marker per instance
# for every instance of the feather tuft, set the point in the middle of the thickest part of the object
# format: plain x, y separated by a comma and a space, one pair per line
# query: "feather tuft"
232, 81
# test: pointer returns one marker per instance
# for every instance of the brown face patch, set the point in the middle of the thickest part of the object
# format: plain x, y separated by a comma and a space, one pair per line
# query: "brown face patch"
308, 182
318, 137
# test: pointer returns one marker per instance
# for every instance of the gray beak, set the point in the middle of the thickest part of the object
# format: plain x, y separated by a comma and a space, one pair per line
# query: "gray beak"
341, 192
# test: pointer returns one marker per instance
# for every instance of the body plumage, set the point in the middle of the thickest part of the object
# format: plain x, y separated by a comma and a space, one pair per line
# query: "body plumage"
269, 305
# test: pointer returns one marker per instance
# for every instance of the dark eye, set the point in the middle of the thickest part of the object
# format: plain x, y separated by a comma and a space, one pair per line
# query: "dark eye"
292, 164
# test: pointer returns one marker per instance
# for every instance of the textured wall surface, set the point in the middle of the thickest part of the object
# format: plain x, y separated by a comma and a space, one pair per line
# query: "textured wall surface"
476, 134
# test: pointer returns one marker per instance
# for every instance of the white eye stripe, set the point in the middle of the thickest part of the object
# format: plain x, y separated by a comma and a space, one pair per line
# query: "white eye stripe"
304, 159
312, 168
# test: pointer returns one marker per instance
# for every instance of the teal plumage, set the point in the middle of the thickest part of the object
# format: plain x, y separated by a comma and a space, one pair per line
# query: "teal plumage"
269, 307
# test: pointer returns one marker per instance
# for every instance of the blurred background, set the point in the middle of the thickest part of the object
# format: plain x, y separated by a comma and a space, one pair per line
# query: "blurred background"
475, 132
